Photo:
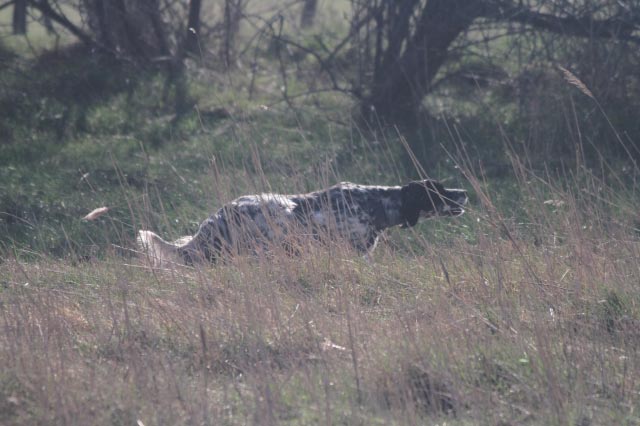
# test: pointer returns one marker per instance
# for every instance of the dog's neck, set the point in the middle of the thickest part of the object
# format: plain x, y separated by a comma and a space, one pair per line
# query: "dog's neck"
390, 213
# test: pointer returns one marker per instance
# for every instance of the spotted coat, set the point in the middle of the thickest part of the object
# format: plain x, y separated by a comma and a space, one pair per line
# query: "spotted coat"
356, 214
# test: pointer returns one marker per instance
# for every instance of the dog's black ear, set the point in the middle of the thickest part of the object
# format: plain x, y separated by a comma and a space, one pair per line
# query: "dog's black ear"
411, 194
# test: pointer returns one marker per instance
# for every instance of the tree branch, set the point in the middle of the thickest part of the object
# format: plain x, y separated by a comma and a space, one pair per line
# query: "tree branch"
616, 27
6, 4
45, 8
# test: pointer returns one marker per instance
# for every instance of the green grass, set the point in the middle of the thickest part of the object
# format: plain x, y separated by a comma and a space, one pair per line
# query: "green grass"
494, 331
523, 311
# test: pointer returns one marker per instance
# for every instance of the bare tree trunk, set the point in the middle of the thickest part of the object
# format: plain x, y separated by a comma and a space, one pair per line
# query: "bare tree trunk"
193, 28
159, 27
133, 28
414, 38
20, 16
233, 10
403, 76
309, 9
101, 24
133, 33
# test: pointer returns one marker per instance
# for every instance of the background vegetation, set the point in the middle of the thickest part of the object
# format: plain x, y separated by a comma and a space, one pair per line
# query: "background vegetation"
523, 311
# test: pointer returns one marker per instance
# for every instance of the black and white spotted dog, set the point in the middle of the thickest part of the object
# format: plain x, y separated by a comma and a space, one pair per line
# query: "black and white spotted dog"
354, 213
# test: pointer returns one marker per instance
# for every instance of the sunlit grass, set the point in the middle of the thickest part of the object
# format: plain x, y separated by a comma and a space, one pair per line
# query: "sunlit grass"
493, 320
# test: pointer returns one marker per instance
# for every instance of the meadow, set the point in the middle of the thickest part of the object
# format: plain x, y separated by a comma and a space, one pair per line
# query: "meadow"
524, 311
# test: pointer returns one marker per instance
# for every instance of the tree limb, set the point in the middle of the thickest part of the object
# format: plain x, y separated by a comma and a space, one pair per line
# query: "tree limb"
6, 4
45, 8
616, 27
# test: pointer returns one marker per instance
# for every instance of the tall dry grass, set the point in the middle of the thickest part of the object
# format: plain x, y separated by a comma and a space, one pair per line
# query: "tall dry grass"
525, 312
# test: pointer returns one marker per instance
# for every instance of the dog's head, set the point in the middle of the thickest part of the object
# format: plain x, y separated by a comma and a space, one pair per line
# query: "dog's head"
429, 198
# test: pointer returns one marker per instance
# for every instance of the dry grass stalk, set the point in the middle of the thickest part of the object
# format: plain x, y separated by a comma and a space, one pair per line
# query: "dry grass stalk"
575, 81
434, 330
96, 213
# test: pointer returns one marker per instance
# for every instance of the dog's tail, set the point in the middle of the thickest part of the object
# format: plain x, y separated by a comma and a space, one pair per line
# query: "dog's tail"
161, 252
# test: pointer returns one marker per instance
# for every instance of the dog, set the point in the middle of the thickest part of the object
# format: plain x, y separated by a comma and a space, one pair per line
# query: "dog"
356, 214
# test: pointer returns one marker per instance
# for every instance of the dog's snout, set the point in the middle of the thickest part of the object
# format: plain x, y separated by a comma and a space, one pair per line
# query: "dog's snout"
463, 198
459, 196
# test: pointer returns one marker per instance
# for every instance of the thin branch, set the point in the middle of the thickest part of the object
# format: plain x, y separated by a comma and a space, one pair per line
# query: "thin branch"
45, 8
307, 93
7, 4
616, 27
283, 70
355, 28
323, 62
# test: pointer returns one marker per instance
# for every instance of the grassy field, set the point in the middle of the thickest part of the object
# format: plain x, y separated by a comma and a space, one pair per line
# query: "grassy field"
502, 330
525, 311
